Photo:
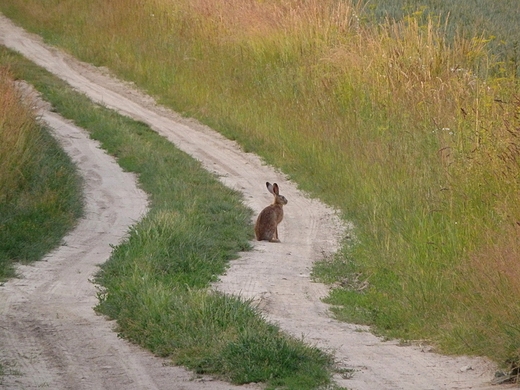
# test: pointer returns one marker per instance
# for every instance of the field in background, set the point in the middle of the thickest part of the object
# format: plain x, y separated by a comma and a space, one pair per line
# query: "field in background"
40, 191
494, 21
413, 133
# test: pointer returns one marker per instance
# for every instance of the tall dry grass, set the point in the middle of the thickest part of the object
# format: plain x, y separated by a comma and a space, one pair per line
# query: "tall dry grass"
16, 146
401, 128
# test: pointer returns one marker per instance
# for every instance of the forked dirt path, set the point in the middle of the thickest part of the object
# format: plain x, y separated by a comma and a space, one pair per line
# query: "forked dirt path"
50, 334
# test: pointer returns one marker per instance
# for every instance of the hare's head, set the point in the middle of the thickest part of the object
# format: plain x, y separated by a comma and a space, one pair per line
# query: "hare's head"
273, 189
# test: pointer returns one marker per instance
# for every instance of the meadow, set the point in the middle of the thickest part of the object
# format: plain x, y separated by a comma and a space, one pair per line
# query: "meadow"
409, 128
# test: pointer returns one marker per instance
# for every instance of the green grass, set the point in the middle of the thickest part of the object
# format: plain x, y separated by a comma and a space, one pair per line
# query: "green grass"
156, 283
409, 129
40, 190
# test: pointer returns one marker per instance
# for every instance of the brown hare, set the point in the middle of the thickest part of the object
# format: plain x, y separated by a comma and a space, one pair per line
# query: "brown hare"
266, 227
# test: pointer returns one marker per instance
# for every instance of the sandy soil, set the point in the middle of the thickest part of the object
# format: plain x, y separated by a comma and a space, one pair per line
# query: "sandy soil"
49, 333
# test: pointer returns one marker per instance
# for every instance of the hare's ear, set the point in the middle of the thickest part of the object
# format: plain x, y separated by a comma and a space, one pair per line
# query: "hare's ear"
275, 191
270, 187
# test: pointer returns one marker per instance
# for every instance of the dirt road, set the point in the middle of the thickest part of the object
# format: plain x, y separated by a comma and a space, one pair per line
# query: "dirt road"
49, 334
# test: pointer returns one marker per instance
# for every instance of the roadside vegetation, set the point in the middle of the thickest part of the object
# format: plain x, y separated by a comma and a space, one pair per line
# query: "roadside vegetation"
40, 191
408, 127
156, 283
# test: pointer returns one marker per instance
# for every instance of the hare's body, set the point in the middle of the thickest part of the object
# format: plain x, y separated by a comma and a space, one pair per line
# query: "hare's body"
266, 227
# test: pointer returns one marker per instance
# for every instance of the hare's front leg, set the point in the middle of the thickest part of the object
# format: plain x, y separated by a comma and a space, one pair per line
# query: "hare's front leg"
275, 235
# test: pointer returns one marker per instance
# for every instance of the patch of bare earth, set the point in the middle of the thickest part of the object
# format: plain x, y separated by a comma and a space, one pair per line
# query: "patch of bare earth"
49, 333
